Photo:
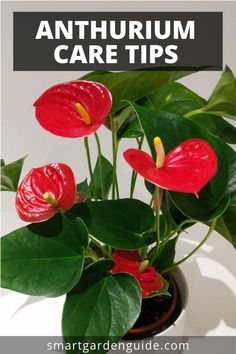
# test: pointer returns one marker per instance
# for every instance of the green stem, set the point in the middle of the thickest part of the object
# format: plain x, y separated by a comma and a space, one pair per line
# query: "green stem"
86, 144
134, 174
179, 227
92, 256
110, 251
100, 165
157, 196
211, 229
115, 187
193, 113
152, 199
100, 246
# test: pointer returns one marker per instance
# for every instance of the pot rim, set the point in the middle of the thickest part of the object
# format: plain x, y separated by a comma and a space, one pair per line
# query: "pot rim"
147, 330
179, 285
184, 289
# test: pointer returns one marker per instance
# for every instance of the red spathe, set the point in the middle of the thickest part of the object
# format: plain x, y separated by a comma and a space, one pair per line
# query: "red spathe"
187, 168
58, 180
57, 113
129, 262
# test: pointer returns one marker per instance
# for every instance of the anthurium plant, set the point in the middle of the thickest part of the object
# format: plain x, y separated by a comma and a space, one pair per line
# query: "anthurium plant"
110, 253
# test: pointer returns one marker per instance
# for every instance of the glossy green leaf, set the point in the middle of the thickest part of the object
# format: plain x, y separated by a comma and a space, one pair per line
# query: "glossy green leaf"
178, 99
131, 127
10, 175
103, 306
44, 258
133, 130
133, 85
107, 177
175, 98
226, 225
223, 99
201, 209
121, 118
123, 224
83, 187
216, 125
173, 129
166, 258
172, 214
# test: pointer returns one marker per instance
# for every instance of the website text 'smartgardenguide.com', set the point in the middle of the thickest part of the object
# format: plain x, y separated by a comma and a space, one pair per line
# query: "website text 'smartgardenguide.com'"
120, 347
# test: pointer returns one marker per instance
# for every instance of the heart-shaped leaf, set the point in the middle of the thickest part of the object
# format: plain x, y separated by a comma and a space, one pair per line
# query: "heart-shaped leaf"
223, 99
45, 258
133, 85
10, 175
92, 311
124, 223
178, 99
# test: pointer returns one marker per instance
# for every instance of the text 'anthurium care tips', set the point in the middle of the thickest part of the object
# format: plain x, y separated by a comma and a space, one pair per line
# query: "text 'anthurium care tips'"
73, 109
187, 168
148, 278
44, 191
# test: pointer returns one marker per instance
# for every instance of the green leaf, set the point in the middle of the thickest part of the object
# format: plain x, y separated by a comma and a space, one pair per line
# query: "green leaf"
131, 127
44, 258
164, 291
2, 162
226, 225
107, 177
10, 175
178, 99
123, 223
175, 98
133, 130
84, 187
223, 99
121, 118
133, 85
102, 307
166, 257
216, 125
201, 209
173, 129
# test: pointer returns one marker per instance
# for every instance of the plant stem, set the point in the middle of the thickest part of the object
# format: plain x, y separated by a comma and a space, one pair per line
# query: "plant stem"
100, 165
211, 229
193, 113
157, 196
92, 256
172, 233
115, 187
179, 227
110, 251
134, 174
152, 198
86, 144
100, 246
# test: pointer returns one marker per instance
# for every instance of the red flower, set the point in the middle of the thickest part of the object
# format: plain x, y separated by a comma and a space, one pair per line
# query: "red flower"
187, 168
129, 262
73, 109
45, 190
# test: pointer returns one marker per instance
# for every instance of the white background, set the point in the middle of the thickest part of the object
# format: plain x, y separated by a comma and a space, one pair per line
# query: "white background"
211, 273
